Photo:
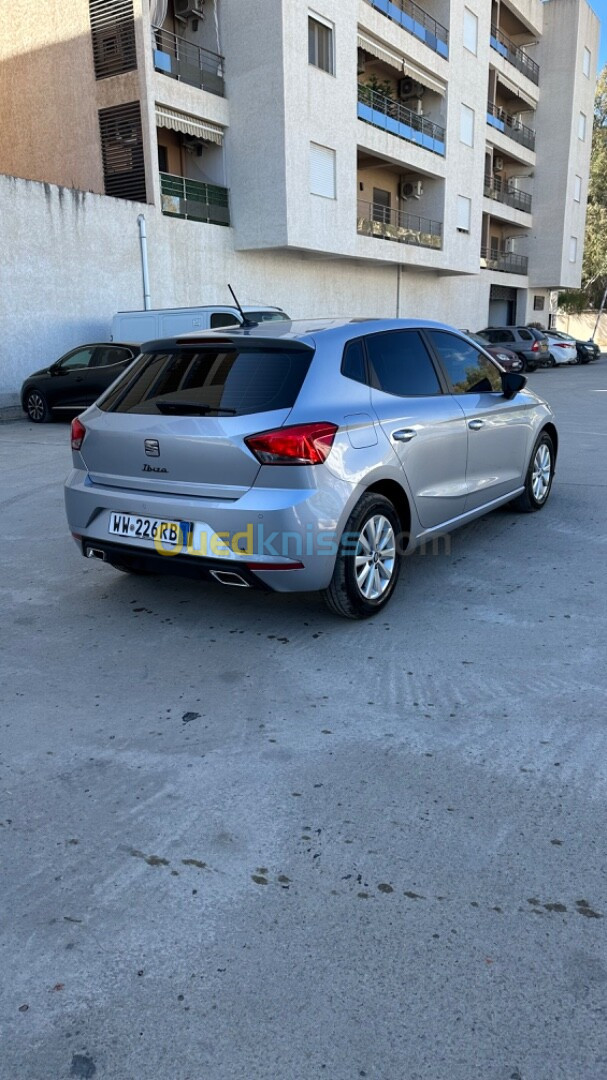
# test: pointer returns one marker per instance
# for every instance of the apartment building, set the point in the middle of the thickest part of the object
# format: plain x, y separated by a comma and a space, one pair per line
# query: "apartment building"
432, 158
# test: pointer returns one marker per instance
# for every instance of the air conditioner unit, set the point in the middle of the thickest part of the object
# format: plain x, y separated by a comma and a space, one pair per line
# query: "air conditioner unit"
411, 189
498, 164
188, 9
409, 88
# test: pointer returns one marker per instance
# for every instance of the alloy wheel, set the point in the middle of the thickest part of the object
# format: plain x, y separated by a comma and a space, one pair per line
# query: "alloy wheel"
35, 406
541, 475
375, 559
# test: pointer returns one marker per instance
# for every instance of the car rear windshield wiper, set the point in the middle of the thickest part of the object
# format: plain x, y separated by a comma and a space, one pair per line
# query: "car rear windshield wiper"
191, 408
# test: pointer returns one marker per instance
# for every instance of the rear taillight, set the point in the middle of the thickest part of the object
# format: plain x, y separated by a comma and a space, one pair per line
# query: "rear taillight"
302, 444
78, 433
535, 346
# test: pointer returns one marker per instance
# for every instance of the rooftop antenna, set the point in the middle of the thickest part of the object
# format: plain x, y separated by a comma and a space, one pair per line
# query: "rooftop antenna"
245, 321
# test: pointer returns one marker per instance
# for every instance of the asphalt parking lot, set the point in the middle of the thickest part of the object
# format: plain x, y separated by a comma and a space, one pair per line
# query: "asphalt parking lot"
243, 839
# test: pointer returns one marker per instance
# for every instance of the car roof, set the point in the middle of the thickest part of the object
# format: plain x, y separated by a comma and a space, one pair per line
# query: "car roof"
201, 307
305, 331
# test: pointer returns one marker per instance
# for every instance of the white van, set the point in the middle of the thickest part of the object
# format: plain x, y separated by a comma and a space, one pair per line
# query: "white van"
139, 326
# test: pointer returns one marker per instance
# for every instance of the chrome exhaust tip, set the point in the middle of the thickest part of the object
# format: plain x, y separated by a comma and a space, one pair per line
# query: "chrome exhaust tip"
95, 553
228, 577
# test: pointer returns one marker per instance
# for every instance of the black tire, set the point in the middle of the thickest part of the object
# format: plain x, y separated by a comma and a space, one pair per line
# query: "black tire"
529, 501
344, 595
550, 362
36, 407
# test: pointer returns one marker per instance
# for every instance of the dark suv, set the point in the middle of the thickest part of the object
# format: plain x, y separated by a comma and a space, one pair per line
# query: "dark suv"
527, 342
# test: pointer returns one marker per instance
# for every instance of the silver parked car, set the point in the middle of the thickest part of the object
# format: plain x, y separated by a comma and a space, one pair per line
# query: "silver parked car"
303, 455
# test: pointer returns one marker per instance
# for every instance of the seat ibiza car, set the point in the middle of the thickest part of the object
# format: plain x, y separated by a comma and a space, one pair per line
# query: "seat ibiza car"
303, 455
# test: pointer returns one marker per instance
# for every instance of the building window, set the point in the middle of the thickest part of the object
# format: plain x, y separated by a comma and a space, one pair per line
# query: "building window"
322, 171
382, 205
577, 189
464, 211
581, 127
113, 36
470, 31
122, 151
573, 249
320, 45
466, 126
586, 63
538, 303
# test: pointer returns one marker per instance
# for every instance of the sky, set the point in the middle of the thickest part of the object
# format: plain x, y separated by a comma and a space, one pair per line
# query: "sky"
600, 7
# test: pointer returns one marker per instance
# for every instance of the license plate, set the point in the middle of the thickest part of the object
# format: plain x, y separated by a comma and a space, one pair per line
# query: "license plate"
145, 528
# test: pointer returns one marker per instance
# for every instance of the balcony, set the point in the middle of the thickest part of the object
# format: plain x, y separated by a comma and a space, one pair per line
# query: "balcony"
192, 199
387, 224
188, 63
504, 261
502, 121
515, 55
384, 112
504, 193
414, 19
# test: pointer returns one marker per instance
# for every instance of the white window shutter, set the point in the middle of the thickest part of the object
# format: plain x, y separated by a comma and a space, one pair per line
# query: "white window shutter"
322, 171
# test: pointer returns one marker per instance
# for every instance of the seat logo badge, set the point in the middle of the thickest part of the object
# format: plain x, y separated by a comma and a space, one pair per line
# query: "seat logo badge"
152, 447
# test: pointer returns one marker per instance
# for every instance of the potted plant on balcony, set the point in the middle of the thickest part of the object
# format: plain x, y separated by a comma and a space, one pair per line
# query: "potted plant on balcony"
374, 88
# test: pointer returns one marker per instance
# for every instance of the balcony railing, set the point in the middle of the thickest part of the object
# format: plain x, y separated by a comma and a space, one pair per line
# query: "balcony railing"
414, 19
387, 224
191, 199
505, 193
504, 261
188, 63
523, 63
386, 113
510, 125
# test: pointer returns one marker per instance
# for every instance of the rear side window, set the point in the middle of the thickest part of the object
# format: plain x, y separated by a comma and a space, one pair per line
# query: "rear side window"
400, 364
108, 356
525, 335
469, 371
223, 318
266, 316
210, 381
353, 363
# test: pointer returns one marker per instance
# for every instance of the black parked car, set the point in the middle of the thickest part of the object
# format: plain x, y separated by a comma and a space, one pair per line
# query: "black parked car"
586, 350
527, 342
75, 381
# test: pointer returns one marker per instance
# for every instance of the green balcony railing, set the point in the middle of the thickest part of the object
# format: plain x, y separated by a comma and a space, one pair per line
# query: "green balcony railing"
192, 199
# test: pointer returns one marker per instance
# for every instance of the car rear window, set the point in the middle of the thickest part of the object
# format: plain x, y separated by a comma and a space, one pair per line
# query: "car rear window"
211, 380
266, 316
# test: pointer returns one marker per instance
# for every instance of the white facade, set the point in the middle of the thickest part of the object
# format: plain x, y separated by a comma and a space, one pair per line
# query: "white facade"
348, 195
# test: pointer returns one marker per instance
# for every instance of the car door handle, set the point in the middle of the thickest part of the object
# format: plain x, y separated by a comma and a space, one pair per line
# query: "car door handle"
476, 425
404, 434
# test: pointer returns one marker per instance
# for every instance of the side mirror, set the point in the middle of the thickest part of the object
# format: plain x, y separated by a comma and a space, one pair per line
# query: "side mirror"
512, 382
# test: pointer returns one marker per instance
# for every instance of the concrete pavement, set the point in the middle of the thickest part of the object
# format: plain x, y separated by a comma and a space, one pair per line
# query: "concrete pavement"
242, 839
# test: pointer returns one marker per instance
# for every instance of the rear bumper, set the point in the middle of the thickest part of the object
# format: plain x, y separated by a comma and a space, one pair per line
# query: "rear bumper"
275, 528
151, 562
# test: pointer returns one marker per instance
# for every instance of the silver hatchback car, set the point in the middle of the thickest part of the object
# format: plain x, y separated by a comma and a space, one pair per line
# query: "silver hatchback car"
306, 455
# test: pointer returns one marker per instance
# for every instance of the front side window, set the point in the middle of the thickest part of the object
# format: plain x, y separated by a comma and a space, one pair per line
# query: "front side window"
210, 380
79, 359
497, 336
400, 364
320, 45
468, 370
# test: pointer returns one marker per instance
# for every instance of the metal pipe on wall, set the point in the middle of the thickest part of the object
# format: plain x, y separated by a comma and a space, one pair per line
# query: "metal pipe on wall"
143, 242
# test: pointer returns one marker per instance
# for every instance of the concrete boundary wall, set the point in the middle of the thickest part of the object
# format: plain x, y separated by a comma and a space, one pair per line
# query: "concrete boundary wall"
71, 259
582, 326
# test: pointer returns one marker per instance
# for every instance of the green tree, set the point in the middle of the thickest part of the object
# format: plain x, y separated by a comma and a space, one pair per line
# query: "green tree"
594, 269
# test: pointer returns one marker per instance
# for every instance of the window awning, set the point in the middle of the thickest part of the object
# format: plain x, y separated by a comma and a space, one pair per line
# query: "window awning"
178, 121
516, 91
400, 62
